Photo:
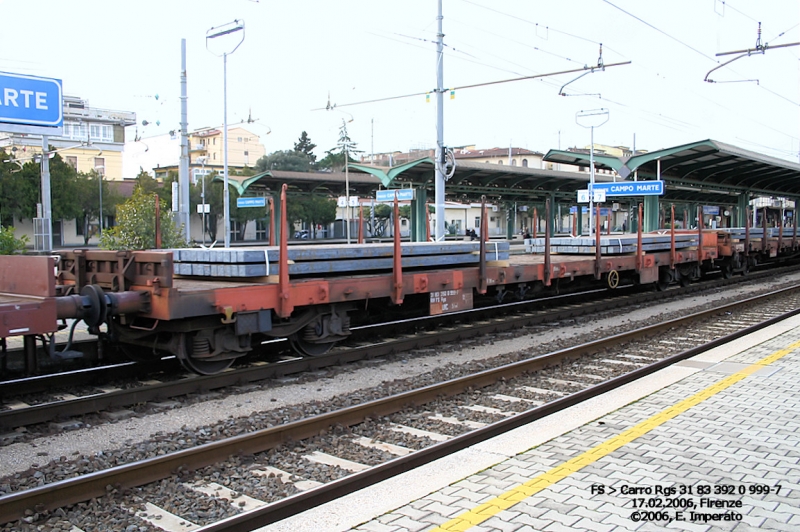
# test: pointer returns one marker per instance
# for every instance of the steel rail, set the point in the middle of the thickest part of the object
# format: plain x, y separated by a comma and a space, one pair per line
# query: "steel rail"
48, 497
494, 322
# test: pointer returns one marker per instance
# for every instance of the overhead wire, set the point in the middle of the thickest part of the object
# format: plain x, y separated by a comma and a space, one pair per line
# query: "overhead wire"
554, 30
727, 4
692, 48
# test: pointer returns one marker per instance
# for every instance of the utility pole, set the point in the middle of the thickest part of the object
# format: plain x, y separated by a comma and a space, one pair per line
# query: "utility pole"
440, 155
593, 123
183, 168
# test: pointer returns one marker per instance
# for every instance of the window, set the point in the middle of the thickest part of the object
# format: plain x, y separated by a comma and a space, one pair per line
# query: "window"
238, 139
524, 163
100, 165
74, 130
73, 162
513, 162
477, 222
500, 162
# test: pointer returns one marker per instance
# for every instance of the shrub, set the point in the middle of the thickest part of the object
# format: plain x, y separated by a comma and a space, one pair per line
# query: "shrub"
9, 244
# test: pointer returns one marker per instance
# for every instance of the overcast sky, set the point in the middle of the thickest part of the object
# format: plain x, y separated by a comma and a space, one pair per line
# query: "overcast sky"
119, 55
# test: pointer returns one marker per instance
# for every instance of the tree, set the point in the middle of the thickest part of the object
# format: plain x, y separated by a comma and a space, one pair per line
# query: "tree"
334, 159
304, 145
289, 160
147, 183
18, 189
381, 214
136, 229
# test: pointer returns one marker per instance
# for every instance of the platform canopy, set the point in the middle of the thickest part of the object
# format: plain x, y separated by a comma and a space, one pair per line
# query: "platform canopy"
471, 180
326, 183
700, 171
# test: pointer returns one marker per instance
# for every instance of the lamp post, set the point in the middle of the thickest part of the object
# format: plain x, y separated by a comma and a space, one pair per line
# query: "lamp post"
100, 171
213, 33
202, 161
344, 141
593, 118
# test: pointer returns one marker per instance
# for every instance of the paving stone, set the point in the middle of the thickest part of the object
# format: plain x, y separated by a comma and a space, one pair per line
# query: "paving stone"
588, 524
410, 524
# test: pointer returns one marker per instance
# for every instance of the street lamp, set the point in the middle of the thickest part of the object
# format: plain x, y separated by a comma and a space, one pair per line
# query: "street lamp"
100, 171
213, 33
593, 118
344, 141
202, 161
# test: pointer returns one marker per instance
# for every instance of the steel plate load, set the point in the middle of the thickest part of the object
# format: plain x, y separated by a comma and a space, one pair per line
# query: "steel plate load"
329, 258
612, 245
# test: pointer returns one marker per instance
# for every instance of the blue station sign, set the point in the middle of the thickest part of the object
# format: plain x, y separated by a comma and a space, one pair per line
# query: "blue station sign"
30, 101
632, 188
260, 201
403, 194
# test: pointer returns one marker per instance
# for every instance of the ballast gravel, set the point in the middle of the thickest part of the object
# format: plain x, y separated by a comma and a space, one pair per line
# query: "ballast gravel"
68, 454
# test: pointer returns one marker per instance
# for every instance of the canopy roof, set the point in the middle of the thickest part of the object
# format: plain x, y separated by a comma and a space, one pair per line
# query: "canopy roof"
704, 167
333, 183
471, 180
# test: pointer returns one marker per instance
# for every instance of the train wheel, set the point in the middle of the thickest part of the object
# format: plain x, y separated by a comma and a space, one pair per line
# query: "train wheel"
685, 281
664, 279
311, 349
727, 270
198, 365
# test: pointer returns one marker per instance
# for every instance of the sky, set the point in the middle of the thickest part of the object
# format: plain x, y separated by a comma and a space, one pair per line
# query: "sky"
297, 56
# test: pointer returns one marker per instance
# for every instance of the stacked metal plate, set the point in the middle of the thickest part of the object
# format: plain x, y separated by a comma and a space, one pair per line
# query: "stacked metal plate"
757, 232
330, 258
610, 245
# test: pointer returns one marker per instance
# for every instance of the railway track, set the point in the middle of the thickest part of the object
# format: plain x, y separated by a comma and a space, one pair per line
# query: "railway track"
260, 475
125, 390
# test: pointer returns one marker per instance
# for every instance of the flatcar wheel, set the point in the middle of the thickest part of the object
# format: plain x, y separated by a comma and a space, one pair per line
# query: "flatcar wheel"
727, 270
198, 365
664, 279
310, 349
685, 281
206, 367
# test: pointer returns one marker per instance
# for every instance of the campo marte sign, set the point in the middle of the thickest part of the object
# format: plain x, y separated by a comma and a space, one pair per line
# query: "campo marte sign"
30, 104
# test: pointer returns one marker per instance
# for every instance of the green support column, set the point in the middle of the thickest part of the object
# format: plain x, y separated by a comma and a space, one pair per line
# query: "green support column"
419, 216
579, 220
510, 221
276, 202
553, 213
650, 222
743, 202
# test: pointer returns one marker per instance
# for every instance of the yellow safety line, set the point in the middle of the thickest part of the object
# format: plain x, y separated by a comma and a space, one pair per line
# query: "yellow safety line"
521, 492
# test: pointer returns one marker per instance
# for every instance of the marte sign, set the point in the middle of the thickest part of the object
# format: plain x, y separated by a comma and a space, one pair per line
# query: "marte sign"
30, 104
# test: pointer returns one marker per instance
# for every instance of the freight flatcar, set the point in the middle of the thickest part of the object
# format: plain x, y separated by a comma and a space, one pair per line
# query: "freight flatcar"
211, 307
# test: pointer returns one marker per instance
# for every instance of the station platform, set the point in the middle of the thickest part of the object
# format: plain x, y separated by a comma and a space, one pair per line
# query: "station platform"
711, 443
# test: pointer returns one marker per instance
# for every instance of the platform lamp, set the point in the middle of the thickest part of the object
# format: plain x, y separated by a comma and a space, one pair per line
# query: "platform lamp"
592, 118
344, 142
214, 33
202, 160
100, 169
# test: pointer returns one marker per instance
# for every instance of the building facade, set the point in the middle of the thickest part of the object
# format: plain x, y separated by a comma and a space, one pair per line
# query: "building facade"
161, 154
